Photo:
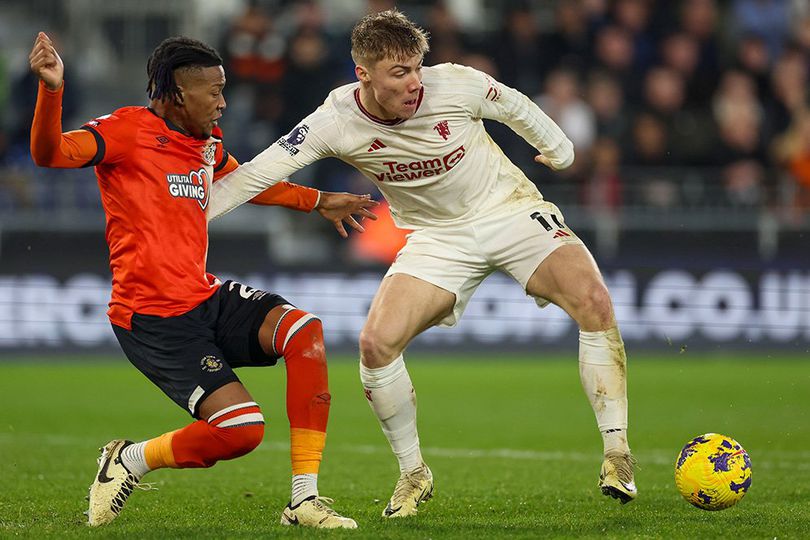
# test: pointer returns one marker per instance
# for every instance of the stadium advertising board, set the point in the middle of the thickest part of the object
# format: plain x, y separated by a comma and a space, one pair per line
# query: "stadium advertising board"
663, 308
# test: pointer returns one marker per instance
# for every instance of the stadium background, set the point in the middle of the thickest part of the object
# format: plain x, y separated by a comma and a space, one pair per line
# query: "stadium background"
691, 184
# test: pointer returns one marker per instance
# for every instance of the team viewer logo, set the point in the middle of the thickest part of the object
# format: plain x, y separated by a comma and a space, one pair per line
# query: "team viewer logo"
416, 170
193, 185
453, 157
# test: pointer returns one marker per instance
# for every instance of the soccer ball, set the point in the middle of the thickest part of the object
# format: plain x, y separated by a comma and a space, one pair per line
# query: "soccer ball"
713, 472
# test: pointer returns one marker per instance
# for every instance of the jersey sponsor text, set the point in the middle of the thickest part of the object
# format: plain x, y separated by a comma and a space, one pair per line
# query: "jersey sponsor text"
415, 170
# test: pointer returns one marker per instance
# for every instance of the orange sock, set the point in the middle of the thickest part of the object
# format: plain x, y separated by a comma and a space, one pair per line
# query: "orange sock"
299, 338
228, 434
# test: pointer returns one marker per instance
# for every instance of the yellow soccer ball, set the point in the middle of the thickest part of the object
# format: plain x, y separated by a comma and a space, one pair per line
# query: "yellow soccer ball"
713, 472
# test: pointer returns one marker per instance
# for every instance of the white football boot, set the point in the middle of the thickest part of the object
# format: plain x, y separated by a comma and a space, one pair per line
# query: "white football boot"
316, 512
616, 477
112, 486
412, 488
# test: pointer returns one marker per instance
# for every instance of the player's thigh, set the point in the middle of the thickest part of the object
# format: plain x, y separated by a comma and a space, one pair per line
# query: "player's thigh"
245, 324
520, 241
430, 282
405, 306
179, 355
223, 397
570, 278
565, 275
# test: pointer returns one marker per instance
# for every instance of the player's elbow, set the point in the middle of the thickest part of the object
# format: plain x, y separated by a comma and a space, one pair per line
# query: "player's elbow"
40, 159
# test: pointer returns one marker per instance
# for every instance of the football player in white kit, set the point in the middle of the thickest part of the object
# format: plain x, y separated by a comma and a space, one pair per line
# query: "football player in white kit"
417, 133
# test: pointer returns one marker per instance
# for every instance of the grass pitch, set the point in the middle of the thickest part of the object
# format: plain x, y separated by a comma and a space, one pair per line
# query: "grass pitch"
512, 443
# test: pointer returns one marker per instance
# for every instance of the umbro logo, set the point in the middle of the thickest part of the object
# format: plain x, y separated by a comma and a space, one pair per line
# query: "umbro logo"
163, 140
560, 234
376, 145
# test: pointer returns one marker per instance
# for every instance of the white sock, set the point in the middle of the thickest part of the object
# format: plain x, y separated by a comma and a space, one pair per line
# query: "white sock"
134, 459
392, 398
303, 487
603, 372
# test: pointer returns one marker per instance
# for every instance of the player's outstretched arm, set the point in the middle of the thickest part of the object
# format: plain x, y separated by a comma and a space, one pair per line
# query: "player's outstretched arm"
334, 207
49, 146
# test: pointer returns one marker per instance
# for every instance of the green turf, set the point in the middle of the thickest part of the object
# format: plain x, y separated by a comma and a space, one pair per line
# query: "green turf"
512, 444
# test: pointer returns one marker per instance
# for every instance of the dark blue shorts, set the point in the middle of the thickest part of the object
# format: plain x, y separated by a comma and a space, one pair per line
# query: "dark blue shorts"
191, 355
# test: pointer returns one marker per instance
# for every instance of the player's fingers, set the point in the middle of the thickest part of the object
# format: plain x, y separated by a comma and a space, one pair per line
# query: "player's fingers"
355, 225
40, 61
38, 49
543, 159
366, 213
367, 202
340, 229
42, 57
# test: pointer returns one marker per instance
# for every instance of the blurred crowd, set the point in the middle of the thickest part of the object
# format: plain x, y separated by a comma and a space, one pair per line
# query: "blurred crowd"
669, 103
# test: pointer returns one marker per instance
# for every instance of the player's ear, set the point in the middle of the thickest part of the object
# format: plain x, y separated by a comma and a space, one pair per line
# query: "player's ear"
179, 97
362, 74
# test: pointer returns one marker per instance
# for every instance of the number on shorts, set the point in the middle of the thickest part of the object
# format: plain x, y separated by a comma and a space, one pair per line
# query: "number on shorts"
537, 216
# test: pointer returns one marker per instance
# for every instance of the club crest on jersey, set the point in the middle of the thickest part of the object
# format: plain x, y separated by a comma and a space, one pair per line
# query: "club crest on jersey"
210, 364
193, 185
209, 153
443, 129
293, 139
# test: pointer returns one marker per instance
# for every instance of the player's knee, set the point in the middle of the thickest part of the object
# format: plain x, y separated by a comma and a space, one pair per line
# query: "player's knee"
375, 351
237, 430
237, 441
595, 308
299, 331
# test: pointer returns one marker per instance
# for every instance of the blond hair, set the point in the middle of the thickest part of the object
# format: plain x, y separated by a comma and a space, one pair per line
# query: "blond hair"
387, 34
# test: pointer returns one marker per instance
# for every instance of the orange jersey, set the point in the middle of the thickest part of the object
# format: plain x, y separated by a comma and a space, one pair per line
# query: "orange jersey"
155, 182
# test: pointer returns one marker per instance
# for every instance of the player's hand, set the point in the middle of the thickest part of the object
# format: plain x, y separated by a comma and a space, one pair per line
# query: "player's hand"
45, 62
340, 207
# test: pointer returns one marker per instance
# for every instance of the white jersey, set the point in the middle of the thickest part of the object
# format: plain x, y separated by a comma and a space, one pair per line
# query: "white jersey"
437, 168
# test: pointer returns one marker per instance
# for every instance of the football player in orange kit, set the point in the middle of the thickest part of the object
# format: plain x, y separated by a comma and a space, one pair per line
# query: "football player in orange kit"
179, 325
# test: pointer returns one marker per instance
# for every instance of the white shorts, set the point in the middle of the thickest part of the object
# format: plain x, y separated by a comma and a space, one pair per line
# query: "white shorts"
458, 259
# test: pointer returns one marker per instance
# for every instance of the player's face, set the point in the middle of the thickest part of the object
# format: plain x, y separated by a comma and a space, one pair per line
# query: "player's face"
395, 85
203, 101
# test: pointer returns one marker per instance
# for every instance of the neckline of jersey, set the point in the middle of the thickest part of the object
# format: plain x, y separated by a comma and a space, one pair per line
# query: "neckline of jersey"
383, 121
171, 125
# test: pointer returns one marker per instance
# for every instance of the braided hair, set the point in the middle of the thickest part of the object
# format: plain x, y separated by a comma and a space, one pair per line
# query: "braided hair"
172, 54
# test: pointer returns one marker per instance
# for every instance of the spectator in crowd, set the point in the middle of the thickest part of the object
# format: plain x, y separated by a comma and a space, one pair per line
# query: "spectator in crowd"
614, 54
603, 186
648, 155
634, 17
606, 99
698, 18
448, 42
568, 43
788, 96
765, 18
740, 152
680, 52
753, 58
519, 53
